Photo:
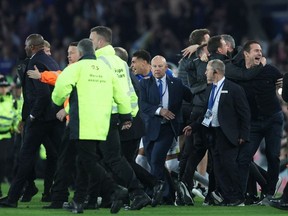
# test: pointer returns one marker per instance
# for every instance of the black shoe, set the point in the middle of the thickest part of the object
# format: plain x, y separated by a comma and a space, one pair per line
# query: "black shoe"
46, 197
3, 199
74, 207
91, 206
265, 200
237, 203
91, 203
29, 193
117, 199
5, 203
140, 201
276, 200
184, 194
251, 200
280, 205
208, 201
157, 193
54, 205
217, 197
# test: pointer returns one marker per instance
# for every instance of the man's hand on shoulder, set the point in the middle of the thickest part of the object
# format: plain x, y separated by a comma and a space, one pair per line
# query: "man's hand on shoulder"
188, 51
34, 74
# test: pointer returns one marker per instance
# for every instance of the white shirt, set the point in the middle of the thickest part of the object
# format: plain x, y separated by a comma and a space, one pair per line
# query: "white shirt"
218, 89
165, 94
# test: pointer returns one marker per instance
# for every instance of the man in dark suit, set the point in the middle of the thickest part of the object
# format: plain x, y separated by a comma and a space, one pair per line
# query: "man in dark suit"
228, 119
41, 121
161, 101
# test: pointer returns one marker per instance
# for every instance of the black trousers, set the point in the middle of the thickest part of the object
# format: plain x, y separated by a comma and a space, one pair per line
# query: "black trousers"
4, 145
194, 150
226, 168
50, 164
35, 133
129, 150
110, 151
66, 168
89, 171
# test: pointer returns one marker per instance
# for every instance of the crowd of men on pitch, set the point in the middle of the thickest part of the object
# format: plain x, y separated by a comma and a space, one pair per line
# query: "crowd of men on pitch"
130, 137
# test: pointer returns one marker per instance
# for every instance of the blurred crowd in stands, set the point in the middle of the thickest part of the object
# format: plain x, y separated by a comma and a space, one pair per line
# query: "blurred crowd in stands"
161, 26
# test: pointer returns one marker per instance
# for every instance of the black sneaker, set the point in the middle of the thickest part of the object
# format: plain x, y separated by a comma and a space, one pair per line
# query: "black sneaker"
46, 197
251, 200
140, 201
208, 201
184, 193
217, 197
29, 193
54, 205
74, 207
117, 199
5, 203
239, 202
91, 203
280, 205
157, 193
265, 200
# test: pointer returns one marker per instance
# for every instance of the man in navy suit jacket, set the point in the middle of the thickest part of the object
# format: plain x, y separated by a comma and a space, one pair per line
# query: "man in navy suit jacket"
40, 123
161, 112
228, 119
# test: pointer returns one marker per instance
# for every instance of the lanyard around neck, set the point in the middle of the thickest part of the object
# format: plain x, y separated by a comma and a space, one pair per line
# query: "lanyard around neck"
213, 97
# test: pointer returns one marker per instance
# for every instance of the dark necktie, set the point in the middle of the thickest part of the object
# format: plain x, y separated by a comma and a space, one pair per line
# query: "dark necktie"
211, 98
160, 88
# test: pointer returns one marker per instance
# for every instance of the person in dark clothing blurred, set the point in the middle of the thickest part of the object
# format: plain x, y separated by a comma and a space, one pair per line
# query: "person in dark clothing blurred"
51, 152
110, 150
197, 84
217, 49
130, 139
30, 187
40, 123
282, 202
266, 113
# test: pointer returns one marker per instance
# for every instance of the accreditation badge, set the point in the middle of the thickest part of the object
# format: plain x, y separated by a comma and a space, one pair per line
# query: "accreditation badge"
207, 118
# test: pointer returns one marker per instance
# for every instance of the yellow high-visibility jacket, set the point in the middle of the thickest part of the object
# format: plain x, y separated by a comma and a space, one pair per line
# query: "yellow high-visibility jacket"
92, 87
8, 116
120, 67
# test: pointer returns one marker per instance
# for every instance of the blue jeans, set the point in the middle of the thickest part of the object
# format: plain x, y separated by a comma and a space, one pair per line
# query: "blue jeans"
269, 129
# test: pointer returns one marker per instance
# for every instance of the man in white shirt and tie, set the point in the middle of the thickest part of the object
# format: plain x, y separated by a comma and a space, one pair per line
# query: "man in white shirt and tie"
228, 118
161, 112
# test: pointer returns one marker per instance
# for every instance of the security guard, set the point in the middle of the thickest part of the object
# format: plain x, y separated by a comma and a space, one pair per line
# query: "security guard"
8, 120
13, 150
101, 37
91, 86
